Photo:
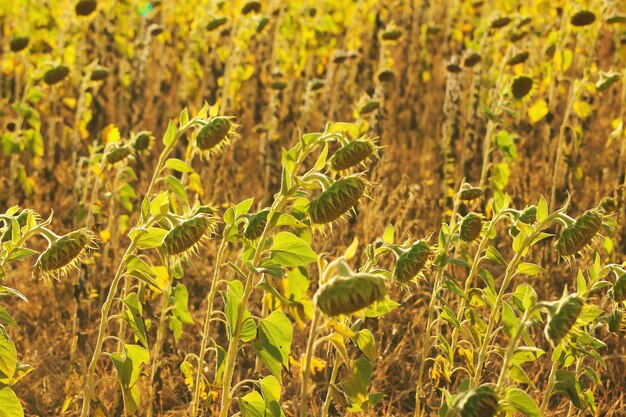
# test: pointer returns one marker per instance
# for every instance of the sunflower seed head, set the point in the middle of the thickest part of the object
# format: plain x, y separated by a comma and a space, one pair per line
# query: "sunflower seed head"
470, 227
85, 7
19, 43
188, 235
215, 134
256, 225
354, 153
580, 233
56, 74
337, 199
347, 295
411, 262
65, 253
563, 317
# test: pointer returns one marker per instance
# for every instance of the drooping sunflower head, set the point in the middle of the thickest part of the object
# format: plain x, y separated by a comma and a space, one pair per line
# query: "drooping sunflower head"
338, 199
143, 141
579, 234
411, 262
469, 193
64, 253
353, 154
481, 401
186, 236
100, 73
616, 321
617, 292
582, 18
470, 227
85, 7
215, 135
349, 294
117, 153
562, 317
56, 75
19, 43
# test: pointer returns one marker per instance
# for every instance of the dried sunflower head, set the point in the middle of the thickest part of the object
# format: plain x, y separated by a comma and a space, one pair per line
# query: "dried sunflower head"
337, 200
579, 234
187, 236
562, 317
521, 87
349, 294
19, 43
85, 7
100, 73
56, 75
582, 18
411, 261
64, 253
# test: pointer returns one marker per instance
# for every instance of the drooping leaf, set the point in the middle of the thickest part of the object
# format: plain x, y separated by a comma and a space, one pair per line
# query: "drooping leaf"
274, 343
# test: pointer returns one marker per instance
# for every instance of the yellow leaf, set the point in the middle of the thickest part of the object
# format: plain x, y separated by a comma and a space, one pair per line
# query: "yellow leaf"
538, 111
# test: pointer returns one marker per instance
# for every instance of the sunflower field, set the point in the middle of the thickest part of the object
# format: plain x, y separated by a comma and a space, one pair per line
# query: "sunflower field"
298, 208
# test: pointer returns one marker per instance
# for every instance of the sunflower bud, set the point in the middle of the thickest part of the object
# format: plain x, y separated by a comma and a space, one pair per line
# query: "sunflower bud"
117, 153
577, 235
352, 154
391, 34
518, 58
250, 7
337, 199
56, 74
608, 205
500, 22
65, 252
618, 292
347, 295
470, 227
479, 402
187, 235
256, 225
527, 216
19, 43
563, 317
214, 134
411, 262
617, 322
